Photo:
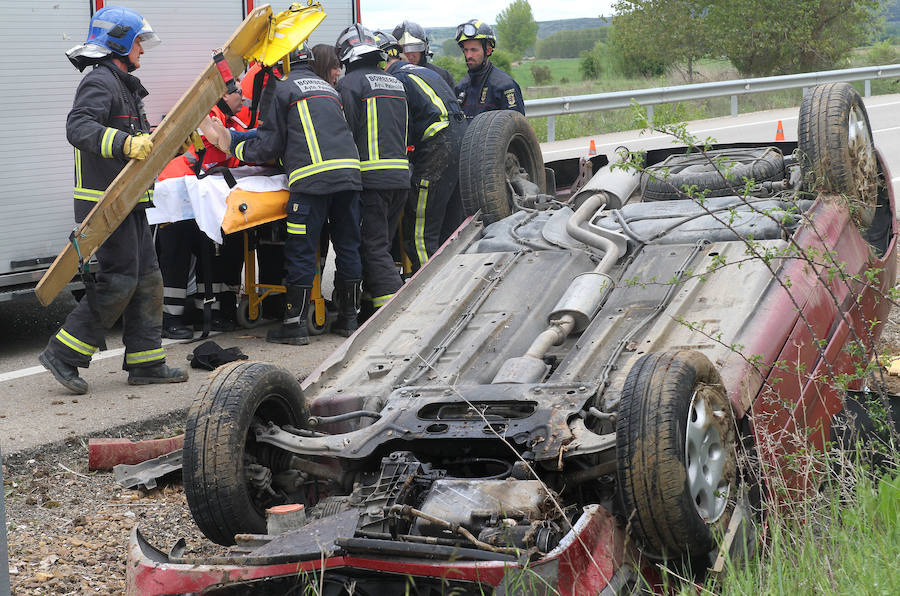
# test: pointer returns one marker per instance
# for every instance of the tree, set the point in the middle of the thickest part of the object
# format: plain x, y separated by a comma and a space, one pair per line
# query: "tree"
516, 28
768, 37
663, 31
449, 48
568, 43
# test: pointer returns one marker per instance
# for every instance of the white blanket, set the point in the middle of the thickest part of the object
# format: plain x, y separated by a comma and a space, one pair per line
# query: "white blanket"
175, 199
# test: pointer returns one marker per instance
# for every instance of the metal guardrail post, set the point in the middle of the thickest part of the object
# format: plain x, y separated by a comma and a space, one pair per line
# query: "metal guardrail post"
868, 88
551, 128
650, 113
734, 105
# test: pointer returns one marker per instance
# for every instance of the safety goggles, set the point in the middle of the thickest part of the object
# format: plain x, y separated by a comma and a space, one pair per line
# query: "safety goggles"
467, 29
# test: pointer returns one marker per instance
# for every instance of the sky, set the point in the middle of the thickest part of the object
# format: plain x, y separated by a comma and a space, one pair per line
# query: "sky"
387, 13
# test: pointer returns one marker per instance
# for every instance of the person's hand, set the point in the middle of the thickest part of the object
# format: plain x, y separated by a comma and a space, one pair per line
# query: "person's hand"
192, 142
216, 133
138, 147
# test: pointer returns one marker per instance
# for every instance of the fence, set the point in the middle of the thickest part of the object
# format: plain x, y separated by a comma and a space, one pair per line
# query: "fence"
557, 106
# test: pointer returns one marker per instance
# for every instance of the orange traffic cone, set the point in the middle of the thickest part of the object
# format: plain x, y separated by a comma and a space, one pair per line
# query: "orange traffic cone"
779, 133
592, 150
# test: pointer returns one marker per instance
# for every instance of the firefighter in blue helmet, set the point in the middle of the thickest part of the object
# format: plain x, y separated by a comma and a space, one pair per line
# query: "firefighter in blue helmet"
107, 127
375, 106
305, 128
485, 87
436, 128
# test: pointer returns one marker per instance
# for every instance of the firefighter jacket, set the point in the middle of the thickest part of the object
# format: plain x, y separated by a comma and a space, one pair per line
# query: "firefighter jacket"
375, 105
431, 102
108, 108
489, 88
442, 72
305, 128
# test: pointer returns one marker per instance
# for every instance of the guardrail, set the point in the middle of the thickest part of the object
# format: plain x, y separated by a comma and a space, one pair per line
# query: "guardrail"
557, 106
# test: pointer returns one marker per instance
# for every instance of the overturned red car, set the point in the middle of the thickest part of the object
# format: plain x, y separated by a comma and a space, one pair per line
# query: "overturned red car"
564, 394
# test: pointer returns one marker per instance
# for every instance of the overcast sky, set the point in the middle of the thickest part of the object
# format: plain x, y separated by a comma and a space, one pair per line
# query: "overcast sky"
387, 13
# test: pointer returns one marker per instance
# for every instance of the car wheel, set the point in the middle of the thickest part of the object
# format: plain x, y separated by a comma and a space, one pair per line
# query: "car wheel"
676, 448
698, 172
243, 315
498, 146
229, 478
837, 153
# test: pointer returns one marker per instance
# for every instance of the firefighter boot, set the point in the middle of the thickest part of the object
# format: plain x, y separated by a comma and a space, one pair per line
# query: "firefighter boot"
293, 326
152, 375
173, 328
66, 374
347, 294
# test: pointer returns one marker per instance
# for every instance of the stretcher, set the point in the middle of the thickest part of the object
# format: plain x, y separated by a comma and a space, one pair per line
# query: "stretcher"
246, 212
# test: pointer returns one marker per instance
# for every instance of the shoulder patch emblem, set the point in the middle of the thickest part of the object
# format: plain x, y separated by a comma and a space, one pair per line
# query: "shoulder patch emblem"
510, 97
483, 94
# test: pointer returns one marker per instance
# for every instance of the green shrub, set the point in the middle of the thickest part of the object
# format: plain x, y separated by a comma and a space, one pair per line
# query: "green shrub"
502, 60
541, 74
592, 61
882, 53
456, 67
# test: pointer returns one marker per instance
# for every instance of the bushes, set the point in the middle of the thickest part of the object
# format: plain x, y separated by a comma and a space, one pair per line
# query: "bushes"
591, 61
541, 74
882, 53
456, 67
502, 60
568, 44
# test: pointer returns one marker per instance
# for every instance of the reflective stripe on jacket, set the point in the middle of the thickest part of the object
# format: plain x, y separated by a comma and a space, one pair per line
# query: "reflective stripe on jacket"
305, 128
107, 109
375, 106
431, 101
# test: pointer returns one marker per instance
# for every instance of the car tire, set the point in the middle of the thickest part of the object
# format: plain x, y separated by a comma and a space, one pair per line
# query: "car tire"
675, 449
837, 153
219, 445
680, 175
496, 144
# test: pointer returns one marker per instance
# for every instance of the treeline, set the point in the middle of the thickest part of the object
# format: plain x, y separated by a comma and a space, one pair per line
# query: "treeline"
569, 44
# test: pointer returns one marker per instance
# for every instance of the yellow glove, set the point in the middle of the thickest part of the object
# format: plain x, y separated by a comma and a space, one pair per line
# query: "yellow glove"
138, 147
192, 142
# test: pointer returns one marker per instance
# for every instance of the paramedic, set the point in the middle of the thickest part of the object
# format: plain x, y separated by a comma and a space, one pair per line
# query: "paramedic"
436, 127
485, 87
304, 126
375, 107
107, 126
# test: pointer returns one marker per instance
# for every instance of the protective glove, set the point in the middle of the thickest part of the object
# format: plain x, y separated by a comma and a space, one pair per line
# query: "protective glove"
192, 142
138, 147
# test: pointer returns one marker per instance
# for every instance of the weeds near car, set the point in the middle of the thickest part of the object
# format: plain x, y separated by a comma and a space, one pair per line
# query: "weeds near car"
828, 509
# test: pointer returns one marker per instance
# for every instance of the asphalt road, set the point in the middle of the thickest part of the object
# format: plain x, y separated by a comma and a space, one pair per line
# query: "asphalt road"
35, 409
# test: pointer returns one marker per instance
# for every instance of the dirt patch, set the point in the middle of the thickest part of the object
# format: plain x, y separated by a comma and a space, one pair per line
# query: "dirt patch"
68, 528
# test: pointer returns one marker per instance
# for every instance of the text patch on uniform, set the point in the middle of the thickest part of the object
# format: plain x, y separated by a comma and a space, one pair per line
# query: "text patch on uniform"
314, 85
387, 82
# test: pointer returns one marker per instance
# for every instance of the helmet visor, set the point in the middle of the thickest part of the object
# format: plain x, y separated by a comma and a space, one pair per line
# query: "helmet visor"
148, 37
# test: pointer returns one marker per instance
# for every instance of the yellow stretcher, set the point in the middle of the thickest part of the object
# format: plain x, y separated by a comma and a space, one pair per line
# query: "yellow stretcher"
245, 212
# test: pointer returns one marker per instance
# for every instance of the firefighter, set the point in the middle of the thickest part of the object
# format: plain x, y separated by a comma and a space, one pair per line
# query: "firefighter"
414, 43
107, 127
485, 87
304, 126
326, 63
178, 241
436, 128
375, 106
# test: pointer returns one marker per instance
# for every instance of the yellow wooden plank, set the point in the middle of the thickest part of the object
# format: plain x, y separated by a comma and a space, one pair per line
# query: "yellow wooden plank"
137, 176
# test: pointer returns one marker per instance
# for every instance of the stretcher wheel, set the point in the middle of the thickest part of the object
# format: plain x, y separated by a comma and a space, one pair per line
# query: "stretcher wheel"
311, 327
243, 315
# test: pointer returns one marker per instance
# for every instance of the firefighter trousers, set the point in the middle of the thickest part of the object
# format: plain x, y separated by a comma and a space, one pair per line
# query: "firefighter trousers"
434, 197
175, 244
381, 211
306, 214
128, 284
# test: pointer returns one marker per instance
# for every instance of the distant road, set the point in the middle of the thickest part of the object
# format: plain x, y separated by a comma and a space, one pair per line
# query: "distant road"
884, 116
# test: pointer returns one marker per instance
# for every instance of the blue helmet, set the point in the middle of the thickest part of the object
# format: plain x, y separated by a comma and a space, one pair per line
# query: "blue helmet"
112, 30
